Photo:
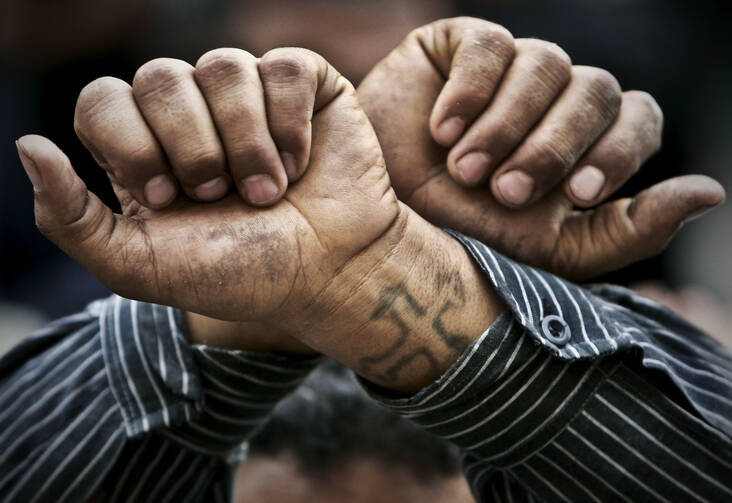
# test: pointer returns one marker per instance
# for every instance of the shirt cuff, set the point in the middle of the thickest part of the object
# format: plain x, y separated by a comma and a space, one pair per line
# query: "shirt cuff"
240, 390
162, 382
504, 398
584, 324
561, 316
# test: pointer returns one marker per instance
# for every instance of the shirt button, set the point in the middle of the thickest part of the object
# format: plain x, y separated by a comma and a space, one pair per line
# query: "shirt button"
555, 329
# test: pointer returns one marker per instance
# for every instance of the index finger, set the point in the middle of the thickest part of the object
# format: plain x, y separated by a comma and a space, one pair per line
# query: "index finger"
110, 125
633, 138
472, 55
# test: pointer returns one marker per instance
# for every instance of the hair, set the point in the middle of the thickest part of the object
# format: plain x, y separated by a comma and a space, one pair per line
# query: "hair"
330, 421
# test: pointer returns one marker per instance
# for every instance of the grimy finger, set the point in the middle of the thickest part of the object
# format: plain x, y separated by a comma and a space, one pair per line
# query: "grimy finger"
78, 222
472, 55
109, 124
229, 80
298, 83
538, 73
173, 106
291, 78
582, 113
619, 153
628, 230
345, 151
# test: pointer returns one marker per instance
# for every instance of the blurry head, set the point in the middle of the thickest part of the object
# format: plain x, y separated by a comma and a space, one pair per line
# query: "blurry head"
353, 35
330, 443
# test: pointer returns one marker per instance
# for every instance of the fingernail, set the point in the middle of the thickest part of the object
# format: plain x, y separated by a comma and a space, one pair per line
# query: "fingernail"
288, 160
450, 130
515, 187
587, 183
211, 190
473, 167
159, 190
30, 167
260, 189
699, 212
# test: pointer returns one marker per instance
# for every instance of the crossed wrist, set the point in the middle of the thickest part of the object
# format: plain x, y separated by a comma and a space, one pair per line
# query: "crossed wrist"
402, 312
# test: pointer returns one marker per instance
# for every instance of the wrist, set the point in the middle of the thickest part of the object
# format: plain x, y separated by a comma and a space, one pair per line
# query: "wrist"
403, 311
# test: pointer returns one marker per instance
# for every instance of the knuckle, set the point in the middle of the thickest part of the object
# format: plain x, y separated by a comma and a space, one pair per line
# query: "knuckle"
647, 122
553, 158
620, 159
494, 38
604, 89
649, 104
342, 86
143, 154
252, 150
550, 59
285, 65
159, 75
501, 134
71, 230
96, 97
428, 37
508, 132
451, 25
220, 63
198, 166
641, 97
421, 32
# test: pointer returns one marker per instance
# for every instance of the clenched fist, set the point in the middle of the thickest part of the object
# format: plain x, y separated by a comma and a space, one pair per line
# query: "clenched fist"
461, 103
329, 265
225, 119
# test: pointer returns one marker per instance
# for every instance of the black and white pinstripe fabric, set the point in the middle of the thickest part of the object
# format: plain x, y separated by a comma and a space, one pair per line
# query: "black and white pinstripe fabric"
116, 398
544, 404
548, 416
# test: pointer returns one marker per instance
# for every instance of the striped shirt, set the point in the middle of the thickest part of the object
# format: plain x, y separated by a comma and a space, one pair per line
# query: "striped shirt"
549, 404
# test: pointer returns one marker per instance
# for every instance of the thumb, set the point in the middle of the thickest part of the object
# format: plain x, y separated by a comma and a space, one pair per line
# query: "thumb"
628, 230
65, 211
666, 206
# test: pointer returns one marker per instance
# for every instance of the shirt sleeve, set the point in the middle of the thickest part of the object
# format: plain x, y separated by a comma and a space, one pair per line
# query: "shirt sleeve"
546, 405
115, 400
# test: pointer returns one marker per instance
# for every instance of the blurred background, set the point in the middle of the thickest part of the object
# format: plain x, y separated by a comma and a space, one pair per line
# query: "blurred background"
679, 51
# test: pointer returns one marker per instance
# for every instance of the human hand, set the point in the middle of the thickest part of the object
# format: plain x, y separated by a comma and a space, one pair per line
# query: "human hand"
517, 108
338, 265
225, 259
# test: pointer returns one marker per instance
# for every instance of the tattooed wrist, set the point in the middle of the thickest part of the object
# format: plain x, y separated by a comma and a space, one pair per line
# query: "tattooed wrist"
399, 308
403, 322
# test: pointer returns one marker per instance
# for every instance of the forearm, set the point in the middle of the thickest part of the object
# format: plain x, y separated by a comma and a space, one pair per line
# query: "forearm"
539, 403
419, 303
